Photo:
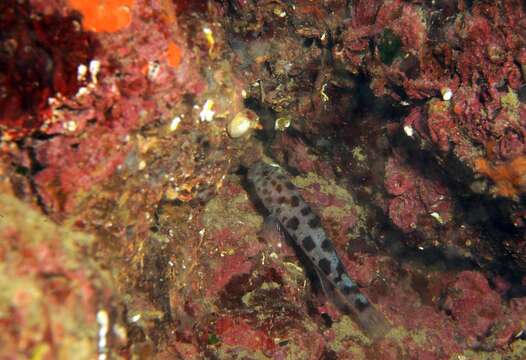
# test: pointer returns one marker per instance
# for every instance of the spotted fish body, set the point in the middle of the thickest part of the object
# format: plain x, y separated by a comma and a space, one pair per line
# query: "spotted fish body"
285, 204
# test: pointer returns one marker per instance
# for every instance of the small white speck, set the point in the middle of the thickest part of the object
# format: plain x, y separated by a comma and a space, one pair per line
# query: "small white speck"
103, 320
142, 165
207, 31
447, 93
437, 217
135, 318
207, 114
405, 103
94, 67
175, 123
408, 129
70, 125
244, 94
82, 70
202, 232
82, 91
421, 248
153, 69
120, 331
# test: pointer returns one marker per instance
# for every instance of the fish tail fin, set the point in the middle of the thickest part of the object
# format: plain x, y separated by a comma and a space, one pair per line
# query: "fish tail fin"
373, 322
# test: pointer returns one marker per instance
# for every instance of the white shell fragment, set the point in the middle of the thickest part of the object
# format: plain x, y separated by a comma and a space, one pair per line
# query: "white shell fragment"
447, 93
437, 217
207, 114
408, 129
282, 123
175, 123
241, 123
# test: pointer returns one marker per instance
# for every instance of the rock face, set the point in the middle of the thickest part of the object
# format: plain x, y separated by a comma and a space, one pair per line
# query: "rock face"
127, 227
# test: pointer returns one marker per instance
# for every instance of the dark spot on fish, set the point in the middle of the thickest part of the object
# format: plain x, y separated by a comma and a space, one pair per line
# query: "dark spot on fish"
278, 211
308, 243
340, 269
293, 223
282, 177
273, 182
268, 199
264, 191
347, 290
279, 188
314, 222
325, 266
282, 199
295, 201
289, 185
360, 304
326, 245
305, 211
265, 172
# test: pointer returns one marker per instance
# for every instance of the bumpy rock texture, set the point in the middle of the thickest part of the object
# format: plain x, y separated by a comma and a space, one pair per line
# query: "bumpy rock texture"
402, 123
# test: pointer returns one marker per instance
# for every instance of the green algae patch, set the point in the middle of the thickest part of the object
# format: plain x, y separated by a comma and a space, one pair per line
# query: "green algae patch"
296, 352
358, 153
510, 102
347, 330
479, 355
220, 213
333, 212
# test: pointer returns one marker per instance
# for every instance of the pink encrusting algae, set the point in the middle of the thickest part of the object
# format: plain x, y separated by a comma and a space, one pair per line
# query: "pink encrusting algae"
129, 226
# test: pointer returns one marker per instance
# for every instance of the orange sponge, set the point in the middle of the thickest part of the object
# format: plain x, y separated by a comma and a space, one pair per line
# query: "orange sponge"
104, 15
509, 178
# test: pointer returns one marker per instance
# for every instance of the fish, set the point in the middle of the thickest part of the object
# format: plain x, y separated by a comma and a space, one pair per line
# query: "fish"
297, 219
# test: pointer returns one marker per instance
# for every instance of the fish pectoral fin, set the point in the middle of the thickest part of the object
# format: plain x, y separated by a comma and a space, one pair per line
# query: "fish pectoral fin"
272, 232
331, 293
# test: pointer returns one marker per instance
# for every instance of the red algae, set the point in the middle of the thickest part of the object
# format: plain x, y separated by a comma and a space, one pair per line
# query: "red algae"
39, 61
473, 304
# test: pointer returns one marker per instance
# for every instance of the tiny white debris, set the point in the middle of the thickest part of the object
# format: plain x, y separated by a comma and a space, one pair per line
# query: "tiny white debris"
244, 94
94, 67
70, 125
120, 331
153, 69
405, 103
437, 217
142, 165
207, 114
408, 129
103, 320
175, 123
135, 318
207, 31
421, 248
202, 232
82, 91
82, 70
447, 93
281, 13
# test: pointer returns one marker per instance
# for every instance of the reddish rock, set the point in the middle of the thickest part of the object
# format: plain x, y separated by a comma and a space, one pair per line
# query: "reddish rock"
473, 304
